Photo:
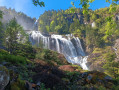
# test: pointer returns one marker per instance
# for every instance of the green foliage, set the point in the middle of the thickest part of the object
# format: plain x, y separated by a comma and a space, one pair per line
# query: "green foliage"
110, 56
42, 87
107, 60
112, 69
18, 85
3, 51
79, 24
37, 2
1, 27
14, 34
50, 57
101, 88
4, 56
25, 50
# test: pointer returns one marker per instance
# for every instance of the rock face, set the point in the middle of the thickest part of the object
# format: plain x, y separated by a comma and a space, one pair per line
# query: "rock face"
98, 57
26, 22
4, 77
94, 63
116, 49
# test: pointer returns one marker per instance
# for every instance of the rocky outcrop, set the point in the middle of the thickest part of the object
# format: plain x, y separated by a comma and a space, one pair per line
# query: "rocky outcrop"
26, 22
4, 77
95, 78
98, 57
116, 49
95, 62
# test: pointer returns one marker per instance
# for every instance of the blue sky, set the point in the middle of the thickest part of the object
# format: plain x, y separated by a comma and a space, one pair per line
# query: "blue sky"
28, 8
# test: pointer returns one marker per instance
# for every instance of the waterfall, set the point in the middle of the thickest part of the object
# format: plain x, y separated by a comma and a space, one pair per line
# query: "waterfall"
69, 46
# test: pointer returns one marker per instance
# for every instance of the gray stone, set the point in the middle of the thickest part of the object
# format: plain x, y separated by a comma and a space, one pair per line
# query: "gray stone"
4, 77
89, 77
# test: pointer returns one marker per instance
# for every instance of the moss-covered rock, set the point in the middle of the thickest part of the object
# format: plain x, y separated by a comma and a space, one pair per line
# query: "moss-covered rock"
94, 79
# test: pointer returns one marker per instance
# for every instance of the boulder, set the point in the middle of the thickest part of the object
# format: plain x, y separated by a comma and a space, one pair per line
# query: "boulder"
4, 77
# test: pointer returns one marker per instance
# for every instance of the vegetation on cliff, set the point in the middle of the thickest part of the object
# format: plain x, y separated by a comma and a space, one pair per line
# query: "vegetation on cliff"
96, 28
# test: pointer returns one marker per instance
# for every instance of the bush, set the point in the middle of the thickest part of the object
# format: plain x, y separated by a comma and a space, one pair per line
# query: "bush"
12, 58
25, 51
15, 59
18, 85
2, 51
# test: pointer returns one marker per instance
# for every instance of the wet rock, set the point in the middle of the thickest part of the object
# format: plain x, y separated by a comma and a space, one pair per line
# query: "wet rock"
4, 77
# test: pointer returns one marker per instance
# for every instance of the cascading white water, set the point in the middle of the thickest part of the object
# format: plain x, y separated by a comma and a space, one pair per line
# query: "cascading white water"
71, 48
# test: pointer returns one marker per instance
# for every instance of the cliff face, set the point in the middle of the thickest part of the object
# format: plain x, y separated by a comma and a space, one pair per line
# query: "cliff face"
26, 22
100, 58
116, 49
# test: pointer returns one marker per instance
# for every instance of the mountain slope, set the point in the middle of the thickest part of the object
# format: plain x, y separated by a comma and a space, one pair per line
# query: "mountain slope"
26, 22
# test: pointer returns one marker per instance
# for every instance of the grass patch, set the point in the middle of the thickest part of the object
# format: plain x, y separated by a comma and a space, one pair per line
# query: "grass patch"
5, 56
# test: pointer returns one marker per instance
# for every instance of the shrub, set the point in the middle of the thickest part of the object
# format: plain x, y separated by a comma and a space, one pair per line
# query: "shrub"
2, 51
18, 85
12, 59
25, 51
